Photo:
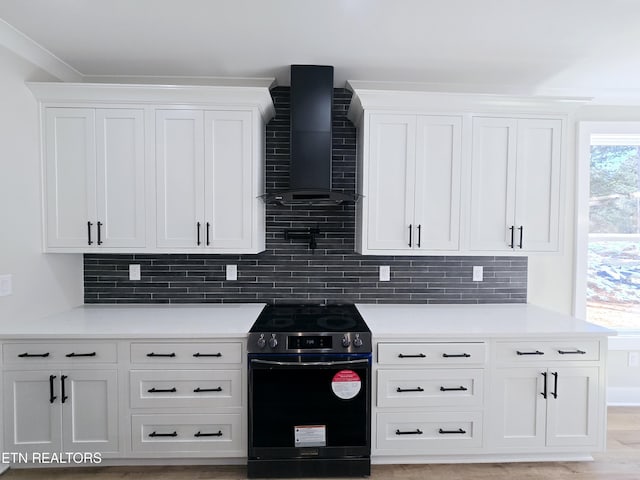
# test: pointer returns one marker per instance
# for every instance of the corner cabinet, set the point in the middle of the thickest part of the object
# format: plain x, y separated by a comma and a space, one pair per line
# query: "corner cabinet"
153, 169
458, 174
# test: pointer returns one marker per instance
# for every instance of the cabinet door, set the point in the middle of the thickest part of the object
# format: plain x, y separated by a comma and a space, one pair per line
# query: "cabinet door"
228, 180
537, 207
493, 183
572, 412
518, 408
90, 411
120, 177
391, 182
180, 178
437, 184
70, 176
31, 421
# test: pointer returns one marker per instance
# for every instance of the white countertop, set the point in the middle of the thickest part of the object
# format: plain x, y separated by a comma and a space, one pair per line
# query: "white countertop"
460, 321
140, 321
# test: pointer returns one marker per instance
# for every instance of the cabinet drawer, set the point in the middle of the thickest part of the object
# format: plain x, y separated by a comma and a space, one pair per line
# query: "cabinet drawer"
185, 388
431, 353
418, 388
213, 434
543, 351
417, 433
77, 353
206, 353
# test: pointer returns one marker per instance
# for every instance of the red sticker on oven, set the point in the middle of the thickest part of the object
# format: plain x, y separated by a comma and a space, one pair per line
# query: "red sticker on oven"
346, 384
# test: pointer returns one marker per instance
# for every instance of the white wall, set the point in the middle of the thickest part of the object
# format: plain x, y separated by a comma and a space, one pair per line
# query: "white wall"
42, 283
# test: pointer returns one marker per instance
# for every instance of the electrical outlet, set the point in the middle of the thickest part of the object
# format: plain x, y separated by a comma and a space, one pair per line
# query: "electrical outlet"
385, 273
634, 359
6, 285
134, 271
478, 273
232, 272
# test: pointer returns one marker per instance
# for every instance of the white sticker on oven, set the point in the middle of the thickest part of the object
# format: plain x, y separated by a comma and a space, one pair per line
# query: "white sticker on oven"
346, 384
310, 435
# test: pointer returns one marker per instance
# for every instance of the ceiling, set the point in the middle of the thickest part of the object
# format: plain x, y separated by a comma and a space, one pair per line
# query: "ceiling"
545, 47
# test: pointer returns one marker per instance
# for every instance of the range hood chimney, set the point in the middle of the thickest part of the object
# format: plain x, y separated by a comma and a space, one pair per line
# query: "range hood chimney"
310, 147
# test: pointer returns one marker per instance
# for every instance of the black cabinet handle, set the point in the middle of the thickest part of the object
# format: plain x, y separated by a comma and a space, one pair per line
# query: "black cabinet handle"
456, 355
198, 233
419, 235
410, 232
155, 434
452, 432
31, 355
419, 355
161, 390
402, 390
521, 228
208, 239
52, 397
544, 391
537, 352
217, 434
571, 352
99, 233
513, 229
417, 431
200, 390
171, 355
90, 242
454, 389
73, 354
555, 384
198, 354
63, 397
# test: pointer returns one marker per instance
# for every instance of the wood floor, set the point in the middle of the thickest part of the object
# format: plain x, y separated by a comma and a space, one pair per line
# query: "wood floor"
620, 462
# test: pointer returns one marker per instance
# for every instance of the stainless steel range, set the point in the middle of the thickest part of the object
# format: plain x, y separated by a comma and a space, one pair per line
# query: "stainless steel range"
309, 392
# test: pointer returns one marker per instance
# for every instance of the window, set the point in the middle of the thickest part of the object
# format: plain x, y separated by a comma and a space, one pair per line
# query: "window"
613, 250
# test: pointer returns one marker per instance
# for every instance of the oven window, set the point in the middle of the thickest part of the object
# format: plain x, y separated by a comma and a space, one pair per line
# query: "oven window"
286, 397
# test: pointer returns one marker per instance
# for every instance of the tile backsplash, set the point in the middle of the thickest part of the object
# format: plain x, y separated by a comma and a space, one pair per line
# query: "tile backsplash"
288, 271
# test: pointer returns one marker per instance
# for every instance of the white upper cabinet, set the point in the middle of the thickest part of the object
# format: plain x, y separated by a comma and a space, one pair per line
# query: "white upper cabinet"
154, 169
515, 190
411, 184
94, 177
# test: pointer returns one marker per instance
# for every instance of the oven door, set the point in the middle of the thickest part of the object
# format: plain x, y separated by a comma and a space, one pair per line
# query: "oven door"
306, 406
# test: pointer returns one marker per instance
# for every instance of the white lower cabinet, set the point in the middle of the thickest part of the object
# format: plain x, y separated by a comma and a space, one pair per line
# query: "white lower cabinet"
61, 411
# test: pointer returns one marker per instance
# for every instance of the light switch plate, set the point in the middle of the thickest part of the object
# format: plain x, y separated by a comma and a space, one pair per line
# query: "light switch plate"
477, 273
134, 271
6, 285
232, 272
385, 273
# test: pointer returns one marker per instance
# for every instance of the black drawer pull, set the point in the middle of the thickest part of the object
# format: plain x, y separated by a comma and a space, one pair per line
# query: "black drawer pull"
198, 354
200, 390
52, 397
456, 355
452, 432
171, 355
155, 434
160, 390
417, 431
63, 397
217, 434
537, 352
31, 355
73, 354
401, 390
419, 355
454, 389
572, 352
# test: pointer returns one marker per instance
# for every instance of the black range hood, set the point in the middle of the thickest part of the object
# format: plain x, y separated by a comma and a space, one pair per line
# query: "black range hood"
310, 142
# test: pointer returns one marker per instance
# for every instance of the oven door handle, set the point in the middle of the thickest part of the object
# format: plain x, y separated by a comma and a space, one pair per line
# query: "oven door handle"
363, 361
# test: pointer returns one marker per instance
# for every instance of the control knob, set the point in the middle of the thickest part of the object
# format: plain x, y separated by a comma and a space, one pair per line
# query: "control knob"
357, 342
261, 341
345, 341
273, 341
